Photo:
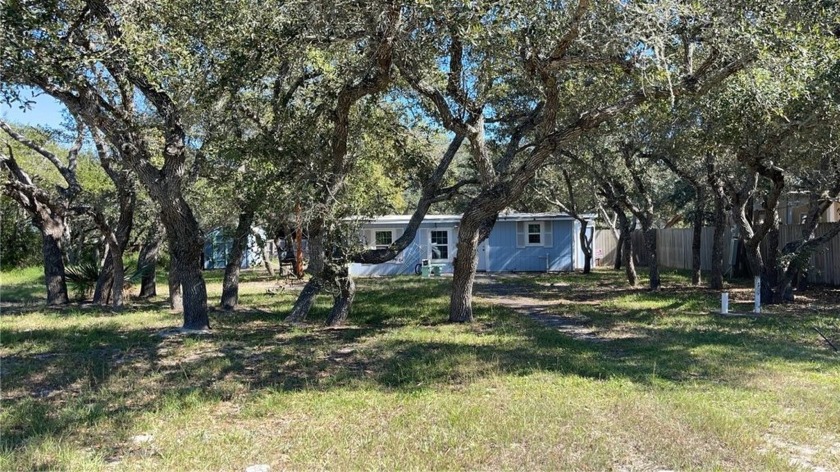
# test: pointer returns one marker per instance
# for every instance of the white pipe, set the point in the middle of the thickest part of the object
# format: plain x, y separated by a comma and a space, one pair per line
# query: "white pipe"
724, 303
757, 308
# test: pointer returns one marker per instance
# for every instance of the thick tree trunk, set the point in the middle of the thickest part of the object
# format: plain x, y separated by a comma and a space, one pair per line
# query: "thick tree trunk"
460, 308
475, 227
147, 265
176, 299
307, 296
230, 285
51, 234
346, 291
653, 262
186, 243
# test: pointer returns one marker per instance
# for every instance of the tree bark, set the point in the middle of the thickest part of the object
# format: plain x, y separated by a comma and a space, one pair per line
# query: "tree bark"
147, 265
313, 287
51, 234
176, 299
697, 236
653, 262
626, 242
230, 285
586, 245
343, 299
105, 281
718, 244
186, 244
475, 228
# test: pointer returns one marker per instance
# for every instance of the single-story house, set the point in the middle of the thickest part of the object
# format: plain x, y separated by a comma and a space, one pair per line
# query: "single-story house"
519, 242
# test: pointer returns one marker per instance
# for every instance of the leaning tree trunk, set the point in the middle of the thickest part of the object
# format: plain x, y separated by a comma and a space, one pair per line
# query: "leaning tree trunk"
147, 265
653, 262
307, 296
51, 233
230, 285
343, 298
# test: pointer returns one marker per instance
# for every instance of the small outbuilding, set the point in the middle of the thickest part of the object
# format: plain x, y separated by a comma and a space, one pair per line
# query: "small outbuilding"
519, 242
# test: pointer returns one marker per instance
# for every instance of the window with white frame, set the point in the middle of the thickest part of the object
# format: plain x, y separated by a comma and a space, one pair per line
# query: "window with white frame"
383, 238
439, 244
534, 235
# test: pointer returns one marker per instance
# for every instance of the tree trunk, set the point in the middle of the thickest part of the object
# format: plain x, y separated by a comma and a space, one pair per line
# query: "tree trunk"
176, 299
305, 300
653, 262
586, 245
230, 285
626, 245
194, 295
475, 228
105, 281
619, 252
51, 233
147, 265
118, 279
186, 243
718, 244
307, 296
629, 264
343, 299
697, 236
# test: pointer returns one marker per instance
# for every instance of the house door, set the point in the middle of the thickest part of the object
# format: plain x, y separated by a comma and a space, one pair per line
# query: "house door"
483, 256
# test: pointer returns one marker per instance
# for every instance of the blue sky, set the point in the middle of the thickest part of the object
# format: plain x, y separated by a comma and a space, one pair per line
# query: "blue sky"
45, 111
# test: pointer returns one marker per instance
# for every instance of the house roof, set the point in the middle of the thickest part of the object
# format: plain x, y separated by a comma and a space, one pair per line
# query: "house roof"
403, 219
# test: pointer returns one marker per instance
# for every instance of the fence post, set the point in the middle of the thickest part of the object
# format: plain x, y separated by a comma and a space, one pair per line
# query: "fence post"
757, 308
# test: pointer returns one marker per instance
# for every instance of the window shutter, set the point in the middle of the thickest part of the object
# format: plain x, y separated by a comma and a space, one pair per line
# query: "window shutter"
370, 238
548, 236
424, 244
520, 234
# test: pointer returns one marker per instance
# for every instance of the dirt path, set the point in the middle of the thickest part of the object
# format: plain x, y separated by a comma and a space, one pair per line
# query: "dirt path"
540, 303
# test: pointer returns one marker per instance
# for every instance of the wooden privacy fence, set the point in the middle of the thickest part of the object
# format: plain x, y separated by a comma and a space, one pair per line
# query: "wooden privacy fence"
673, 248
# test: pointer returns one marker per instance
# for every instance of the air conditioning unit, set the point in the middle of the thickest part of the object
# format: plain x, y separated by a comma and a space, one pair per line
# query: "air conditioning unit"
425, 262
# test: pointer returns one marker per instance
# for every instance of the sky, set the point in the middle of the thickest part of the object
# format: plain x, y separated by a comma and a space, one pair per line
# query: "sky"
45, 111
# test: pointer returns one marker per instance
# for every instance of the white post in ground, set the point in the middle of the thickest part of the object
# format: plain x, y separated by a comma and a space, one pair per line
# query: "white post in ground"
724, 303
757, 308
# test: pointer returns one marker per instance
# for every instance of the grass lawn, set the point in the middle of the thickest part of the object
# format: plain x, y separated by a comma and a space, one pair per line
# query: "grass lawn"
665, 386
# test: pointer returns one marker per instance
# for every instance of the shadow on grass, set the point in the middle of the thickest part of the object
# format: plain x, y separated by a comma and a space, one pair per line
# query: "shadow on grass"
82, 375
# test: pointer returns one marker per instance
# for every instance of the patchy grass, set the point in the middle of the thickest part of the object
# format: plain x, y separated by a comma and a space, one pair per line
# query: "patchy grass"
671, 387
22, 285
